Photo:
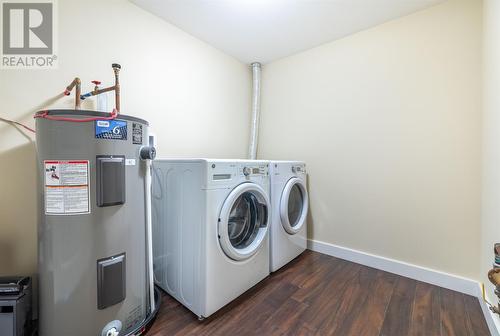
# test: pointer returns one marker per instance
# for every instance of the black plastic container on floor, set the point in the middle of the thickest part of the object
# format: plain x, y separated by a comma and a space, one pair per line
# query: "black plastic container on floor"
15, 306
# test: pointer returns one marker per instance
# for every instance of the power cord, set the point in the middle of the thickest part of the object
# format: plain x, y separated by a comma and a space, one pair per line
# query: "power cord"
18, 124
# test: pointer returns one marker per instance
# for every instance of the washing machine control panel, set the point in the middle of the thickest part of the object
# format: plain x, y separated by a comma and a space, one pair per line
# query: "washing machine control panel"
222, 173
253, 170
299, 169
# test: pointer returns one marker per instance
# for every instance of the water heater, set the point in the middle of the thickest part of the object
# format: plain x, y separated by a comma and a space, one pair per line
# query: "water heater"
93, 236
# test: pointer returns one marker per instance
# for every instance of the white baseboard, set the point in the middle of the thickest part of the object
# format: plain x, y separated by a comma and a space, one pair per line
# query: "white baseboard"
491, 319
450, 281
424, 274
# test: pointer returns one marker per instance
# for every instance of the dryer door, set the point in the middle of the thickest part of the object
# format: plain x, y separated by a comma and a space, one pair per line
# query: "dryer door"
294, 205
243, 221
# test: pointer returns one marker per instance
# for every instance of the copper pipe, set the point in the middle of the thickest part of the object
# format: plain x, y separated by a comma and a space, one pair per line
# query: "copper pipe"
116, 88
77, 94
99, 91
78, 84
71, 86
116, 69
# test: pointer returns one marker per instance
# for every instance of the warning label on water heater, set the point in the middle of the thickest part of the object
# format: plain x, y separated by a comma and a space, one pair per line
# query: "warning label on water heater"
67, 187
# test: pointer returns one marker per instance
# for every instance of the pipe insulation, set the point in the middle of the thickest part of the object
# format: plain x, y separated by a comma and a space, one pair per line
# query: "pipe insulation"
254, 133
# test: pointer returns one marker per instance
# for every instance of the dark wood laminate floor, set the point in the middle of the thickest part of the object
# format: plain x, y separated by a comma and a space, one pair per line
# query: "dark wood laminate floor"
320, 295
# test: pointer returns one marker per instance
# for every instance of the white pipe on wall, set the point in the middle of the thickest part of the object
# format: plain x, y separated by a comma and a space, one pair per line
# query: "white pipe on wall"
149, 233
149, 227
254, 132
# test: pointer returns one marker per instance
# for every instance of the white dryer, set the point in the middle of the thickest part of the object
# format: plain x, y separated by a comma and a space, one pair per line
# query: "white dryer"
289, 204
210, 229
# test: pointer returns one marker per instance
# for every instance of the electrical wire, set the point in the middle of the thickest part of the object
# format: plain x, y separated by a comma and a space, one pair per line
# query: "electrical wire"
45, 115
18, 124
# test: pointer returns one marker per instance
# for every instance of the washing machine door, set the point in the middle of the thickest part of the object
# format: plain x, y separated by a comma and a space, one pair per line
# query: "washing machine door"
243, 221
294, 205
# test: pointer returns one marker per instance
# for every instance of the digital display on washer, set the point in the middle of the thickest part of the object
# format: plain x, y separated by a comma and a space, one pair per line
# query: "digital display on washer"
255, 171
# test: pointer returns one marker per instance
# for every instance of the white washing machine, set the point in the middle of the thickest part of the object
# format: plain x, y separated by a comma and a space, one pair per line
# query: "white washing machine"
289, 204
210, 229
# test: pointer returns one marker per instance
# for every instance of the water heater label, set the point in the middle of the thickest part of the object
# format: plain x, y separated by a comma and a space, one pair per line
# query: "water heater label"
137, 134
67, 187
129, 162
111, 129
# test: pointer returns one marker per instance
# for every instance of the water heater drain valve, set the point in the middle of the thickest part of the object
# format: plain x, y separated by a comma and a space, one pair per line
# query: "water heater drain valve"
113, 328
112, 332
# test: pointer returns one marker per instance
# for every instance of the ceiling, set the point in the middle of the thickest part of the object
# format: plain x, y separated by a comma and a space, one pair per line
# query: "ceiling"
266, 30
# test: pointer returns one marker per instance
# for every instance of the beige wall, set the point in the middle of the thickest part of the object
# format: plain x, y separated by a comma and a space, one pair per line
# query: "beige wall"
389, 123
195, 97
491, 140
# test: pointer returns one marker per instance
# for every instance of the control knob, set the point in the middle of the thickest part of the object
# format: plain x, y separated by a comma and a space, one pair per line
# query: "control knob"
246, 171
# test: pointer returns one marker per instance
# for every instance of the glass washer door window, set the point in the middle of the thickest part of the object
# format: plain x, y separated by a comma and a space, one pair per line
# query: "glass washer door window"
247, 216
243, 221
294, 205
